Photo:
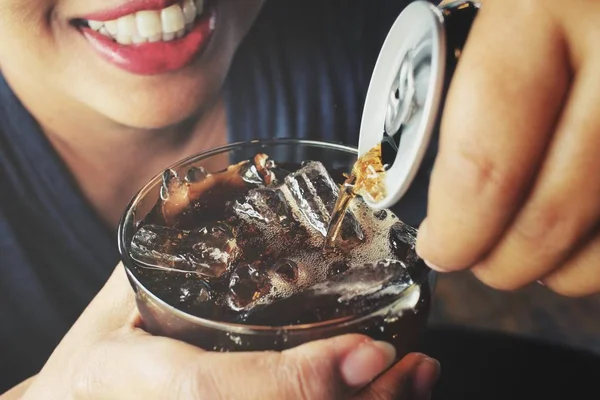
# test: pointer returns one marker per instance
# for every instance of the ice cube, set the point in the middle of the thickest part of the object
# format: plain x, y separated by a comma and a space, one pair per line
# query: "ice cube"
194, 292
380, 214
402, 242
264, 205
200, 192
314, 193
359, 289
265, 225
337, 268
286, 270
264, 166
174, 196
208, 251
366, 280
195, 175
351, 233
248, 283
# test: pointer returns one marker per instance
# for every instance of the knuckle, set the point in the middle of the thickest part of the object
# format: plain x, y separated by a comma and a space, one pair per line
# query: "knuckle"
308, 377
548, 227
480, 174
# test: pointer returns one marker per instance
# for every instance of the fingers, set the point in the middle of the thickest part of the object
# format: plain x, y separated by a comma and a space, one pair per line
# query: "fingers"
412, 378
580, 275
425, 377
564, 205
501, 110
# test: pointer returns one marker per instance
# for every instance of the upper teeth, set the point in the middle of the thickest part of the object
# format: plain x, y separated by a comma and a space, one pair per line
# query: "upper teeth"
151, 26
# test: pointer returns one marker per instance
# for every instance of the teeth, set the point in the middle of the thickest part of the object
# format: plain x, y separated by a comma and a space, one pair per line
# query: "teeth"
124, 39
189, 11
152, 26
155, 38
148, 23
127, 25
95, 25
112, 27
138, 39
172, 19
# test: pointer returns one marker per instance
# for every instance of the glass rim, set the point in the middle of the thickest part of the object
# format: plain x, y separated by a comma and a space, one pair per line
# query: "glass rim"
126, 223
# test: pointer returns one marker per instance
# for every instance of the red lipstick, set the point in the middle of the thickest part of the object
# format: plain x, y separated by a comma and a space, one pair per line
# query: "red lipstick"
158, 57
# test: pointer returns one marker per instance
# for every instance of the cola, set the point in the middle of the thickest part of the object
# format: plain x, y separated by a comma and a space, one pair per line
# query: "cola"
248, 247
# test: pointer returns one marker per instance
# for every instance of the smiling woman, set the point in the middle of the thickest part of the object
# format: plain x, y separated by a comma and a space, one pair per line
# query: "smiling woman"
90, 110
86, 119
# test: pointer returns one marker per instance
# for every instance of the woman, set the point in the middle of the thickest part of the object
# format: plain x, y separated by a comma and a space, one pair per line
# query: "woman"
86, 118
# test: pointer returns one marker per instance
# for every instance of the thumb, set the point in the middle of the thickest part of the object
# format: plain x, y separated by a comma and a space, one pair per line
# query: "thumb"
326, 369
353, 361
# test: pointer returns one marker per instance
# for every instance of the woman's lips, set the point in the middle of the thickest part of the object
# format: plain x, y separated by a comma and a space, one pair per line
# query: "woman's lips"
157, 57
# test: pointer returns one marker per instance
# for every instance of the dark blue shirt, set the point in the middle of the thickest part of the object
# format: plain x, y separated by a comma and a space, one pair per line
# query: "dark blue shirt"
302, 72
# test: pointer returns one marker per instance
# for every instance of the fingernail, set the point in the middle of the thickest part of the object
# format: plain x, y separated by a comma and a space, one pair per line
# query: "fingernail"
422, 236
425, 377
366, 362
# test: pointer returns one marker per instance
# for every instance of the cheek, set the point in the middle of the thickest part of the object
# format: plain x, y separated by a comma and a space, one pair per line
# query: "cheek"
28, 35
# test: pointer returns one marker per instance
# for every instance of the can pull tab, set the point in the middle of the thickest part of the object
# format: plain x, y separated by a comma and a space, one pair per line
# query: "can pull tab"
402, 99
406, 92
406, 99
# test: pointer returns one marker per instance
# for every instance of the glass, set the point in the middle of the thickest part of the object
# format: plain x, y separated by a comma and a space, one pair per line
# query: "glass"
392, 322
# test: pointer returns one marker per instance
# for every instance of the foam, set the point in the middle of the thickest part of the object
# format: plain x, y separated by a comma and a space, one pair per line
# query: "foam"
314, 263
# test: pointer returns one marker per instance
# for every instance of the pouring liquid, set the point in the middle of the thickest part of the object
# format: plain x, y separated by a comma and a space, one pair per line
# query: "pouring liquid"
367, 178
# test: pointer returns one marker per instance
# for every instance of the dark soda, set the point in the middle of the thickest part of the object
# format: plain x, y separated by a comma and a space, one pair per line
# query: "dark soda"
248, 248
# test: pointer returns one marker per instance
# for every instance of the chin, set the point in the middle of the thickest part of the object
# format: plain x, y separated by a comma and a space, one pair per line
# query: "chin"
160, 105
154, 117
151, 119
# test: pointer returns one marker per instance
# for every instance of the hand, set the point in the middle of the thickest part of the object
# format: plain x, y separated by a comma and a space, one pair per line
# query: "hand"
107, 356
515, 191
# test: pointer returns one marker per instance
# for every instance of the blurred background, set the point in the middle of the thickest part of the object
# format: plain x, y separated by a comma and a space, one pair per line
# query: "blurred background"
533, 311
